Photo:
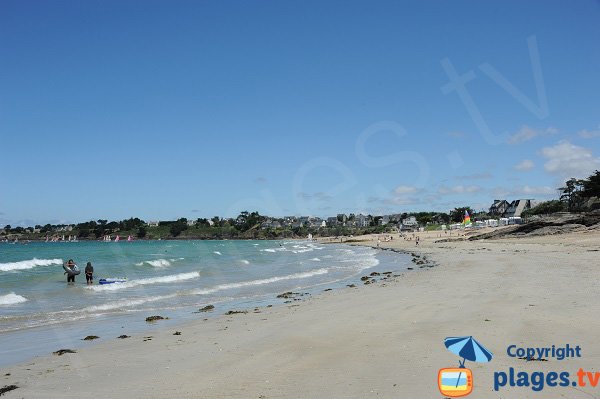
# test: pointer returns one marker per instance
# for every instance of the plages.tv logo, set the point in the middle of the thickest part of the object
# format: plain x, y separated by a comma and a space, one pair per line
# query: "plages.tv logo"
455, 382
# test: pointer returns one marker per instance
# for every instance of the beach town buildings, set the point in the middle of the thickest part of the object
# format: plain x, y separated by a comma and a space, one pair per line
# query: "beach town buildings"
303, 220
293, 222
352, 220
499, 208
271, 224
288, 220
315, 222
332, 221
362, 220
390, 219
296, 225
518, 206
409, 223
505, 209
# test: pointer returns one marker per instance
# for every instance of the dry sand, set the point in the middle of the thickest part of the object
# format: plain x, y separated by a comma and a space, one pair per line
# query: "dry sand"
382, 340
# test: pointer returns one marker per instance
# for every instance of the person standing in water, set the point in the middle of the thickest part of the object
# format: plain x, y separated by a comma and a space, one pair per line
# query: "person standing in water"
89, 273
71, 277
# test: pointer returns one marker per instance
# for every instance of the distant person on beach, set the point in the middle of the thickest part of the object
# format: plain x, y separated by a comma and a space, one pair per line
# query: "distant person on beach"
70, 277
89, 273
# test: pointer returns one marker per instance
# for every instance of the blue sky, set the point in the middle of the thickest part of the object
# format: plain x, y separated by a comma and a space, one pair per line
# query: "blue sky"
156, 109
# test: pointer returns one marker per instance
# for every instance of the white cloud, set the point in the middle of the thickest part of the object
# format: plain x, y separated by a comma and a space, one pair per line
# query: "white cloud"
524, 191
527, 133
532, 190
460, 189
402, 190
524, 165
401, 195
569, 160
401, 201
589, 134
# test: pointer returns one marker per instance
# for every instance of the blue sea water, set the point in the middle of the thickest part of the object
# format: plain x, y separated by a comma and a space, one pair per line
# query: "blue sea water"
39, 312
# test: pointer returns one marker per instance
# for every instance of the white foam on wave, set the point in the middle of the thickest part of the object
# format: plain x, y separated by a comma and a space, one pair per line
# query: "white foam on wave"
361, 261
156, 262
145, 281
29, 264
125, 304
217, 253
345, 250
367, 263
295, 276
11, 299
299, 251
296, 249
245, 262
316, 259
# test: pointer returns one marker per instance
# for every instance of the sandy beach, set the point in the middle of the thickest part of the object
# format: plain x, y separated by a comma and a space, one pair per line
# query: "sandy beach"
383, 339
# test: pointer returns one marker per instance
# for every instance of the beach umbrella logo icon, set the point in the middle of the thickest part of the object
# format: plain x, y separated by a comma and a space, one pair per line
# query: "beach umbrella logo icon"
458, 381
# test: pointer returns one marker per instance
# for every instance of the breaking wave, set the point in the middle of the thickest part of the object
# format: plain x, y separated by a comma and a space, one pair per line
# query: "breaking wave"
11, 299
144, 281
157, 262
28, 264
242, 284
125, 304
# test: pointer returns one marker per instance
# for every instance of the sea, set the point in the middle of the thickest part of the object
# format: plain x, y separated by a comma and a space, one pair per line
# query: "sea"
41, 313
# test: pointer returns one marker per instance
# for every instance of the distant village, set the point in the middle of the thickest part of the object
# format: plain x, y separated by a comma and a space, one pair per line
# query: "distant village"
500, 213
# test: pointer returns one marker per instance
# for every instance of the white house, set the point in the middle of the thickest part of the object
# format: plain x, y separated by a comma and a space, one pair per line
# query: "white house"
362, 220
491, 223
410, 221
515, 220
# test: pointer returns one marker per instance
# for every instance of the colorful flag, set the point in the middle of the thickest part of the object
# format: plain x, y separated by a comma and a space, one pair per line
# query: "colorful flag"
467, 219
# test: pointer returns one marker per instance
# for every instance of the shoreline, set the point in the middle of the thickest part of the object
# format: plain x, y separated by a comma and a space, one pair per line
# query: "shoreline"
384, 339
108, 326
